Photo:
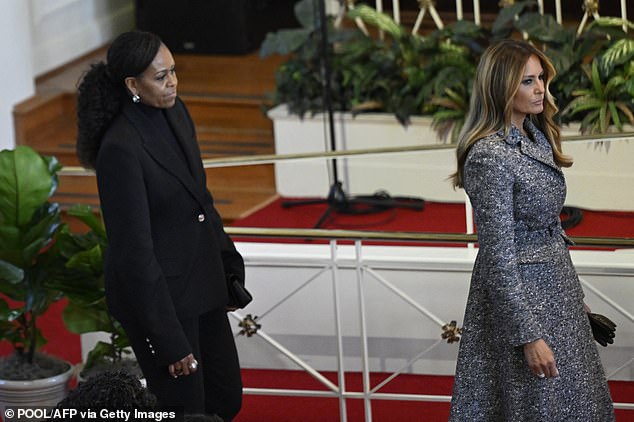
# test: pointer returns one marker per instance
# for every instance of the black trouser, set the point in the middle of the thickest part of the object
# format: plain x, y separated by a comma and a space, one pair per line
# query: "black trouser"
216, 388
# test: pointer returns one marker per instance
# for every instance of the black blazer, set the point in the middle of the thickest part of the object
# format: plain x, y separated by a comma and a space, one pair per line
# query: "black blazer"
166, 241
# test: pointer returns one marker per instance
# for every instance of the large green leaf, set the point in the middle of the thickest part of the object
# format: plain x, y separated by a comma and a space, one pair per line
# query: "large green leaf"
610, 21
562, 58
626, 111
25, 183
98, 354
378, 19
615, 115
87, 216
284, 41
542, 28
81, 320
10, 273
90, 261
466, 27
504, 20
10, 243
39, 234
596, 81
583, 103
604, 118
618, 53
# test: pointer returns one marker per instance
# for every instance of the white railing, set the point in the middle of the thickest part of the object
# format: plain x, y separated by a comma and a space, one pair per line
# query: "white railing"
590, 8
338, 263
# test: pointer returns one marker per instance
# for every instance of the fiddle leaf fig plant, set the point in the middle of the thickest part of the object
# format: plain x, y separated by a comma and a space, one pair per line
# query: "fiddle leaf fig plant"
29, 225
41, 261
82, 282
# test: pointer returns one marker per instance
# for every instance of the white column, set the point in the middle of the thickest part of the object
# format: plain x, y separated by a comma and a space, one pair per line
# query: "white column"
16, 71
332, 7
476, 12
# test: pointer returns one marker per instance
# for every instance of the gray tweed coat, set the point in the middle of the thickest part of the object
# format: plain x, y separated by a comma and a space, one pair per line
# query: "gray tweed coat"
523, 288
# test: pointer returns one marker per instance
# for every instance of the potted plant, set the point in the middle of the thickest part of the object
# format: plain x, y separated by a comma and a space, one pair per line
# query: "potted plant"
609, 100
82, 282
408, 74
29, 225
423, 82
595, 71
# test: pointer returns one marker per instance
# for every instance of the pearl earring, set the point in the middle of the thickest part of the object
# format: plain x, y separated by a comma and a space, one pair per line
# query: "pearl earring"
136, 98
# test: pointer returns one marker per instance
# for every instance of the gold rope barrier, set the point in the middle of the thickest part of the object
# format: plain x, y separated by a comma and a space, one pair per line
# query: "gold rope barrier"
272, 158
370, 235
614, 242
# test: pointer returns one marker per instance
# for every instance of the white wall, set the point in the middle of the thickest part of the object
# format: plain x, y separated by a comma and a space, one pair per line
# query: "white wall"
16, 71
37, 36
64, 30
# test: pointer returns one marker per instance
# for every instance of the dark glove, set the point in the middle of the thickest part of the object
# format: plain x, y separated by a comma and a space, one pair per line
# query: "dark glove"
603, 329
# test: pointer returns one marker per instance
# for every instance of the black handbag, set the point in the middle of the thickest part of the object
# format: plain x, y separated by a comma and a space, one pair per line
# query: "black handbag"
239, 296
603, 329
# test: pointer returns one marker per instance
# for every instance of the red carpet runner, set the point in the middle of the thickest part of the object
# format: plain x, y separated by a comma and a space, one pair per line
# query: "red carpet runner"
303, 409
436, 217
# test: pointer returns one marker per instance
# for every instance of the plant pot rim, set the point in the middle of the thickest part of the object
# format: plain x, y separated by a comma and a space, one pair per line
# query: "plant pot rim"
39, 382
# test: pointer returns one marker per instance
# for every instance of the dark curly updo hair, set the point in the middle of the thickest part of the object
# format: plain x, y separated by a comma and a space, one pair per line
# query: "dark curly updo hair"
102, 91
113, 390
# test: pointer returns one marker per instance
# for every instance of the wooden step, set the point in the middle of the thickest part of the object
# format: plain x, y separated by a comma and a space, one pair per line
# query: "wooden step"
230, 127
224, 128
47, 123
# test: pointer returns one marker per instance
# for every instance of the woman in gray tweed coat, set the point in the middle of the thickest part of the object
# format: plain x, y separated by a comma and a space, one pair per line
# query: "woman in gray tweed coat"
527, 351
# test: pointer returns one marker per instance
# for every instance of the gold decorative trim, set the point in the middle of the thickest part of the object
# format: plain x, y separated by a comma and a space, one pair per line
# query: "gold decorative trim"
249, 326
591, 6
451, 332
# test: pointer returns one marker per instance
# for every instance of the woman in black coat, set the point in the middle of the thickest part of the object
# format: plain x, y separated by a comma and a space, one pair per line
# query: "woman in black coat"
168, 254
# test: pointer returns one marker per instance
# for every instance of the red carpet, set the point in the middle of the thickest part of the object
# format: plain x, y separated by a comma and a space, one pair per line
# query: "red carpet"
61, 342
304, 409
436, 217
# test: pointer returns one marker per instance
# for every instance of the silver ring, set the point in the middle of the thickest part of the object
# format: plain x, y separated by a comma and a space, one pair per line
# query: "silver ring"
541, 375
193, 365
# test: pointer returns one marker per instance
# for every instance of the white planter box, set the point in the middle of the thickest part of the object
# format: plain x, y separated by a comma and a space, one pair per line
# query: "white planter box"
599, 179
602, 176
404, 174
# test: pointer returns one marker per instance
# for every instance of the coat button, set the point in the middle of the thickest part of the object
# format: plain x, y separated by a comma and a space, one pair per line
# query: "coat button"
201, 217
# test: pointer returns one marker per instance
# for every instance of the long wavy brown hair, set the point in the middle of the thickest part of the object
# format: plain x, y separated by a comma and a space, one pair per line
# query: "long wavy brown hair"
497, 80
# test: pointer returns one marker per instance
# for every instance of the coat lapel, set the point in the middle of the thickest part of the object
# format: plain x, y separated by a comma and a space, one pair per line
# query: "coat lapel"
180, 122
539, 153
539, 149
156, 144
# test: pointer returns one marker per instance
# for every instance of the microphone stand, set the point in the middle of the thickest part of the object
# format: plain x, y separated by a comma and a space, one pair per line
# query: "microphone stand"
337, 199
